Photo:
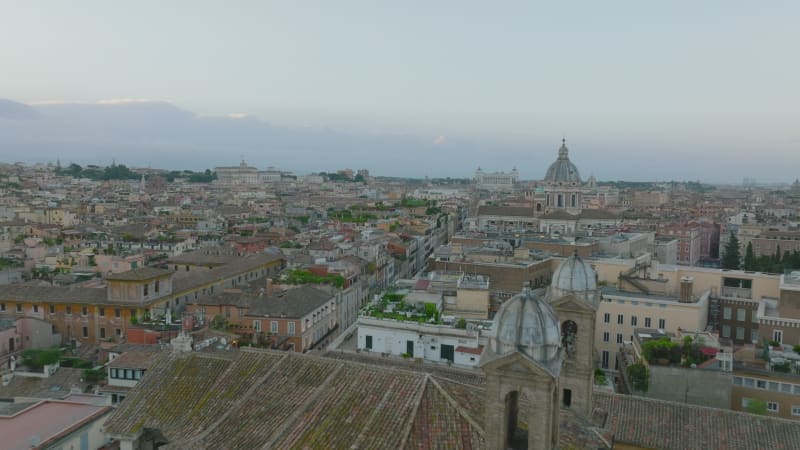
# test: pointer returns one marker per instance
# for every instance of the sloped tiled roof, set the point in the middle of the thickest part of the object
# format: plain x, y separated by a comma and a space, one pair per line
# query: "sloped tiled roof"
140, 274
51, 294
666, 425
265, 399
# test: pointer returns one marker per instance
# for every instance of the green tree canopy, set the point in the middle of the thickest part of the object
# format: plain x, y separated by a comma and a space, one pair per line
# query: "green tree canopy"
732, 256
749, 258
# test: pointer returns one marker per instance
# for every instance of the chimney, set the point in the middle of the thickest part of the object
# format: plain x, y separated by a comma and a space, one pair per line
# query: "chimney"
269, 286
687, 284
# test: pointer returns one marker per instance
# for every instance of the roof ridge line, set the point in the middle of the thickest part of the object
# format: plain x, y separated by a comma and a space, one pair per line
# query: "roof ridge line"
300, 409
413, 416
245, 396
458, 407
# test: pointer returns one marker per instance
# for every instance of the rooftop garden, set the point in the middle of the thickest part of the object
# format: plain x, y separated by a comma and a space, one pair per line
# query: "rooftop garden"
664, 351
392, 306
302, 276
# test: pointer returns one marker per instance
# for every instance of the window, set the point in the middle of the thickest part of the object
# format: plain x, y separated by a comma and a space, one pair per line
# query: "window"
737, 381
634, 321
662, 324
102, 333
749, 382
746, 402
761, 384
619, 338
774, 386
753, 317
726, 331
36, 308
157, 286
605, 336
368, 343
84, 311
739, 333
273, 327
777, 336
647, 322
787, 388
257, 325
620, 319
69, 310
291, 328
19, 307
85, 332
604, 360
101, 312
727, 313
146, 289
447, 352
117, 312
2, 306
741, 314
114, 373
772, 407
754, 335
119, 332
795, 410
607, 318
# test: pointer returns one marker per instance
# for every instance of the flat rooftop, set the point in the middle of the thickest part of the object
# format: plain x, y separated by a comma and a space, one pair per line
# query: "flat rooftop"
46, 420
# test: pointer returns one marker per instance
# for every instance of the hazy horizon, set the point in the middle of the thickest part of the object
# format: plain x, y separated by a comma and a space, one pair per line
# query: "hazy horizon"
641, 91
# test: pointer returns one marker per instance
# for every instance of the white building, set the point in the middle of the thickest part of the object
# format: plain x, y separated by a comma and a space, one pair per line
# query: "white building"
496, 181
434, 343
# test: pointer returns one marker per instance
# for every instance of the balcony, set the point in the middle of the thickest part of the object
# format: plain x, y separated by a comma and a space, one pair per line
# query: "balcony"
735, 292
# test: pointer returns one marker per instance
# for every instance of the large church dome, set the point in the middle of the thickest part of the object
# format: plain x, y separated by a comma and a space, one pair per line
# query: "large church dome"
562, 170
527, 324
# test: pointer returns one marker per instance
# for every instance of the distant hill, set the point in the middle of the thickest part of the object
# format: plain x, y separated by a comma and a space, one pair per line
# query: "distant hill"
14, 110
138, 133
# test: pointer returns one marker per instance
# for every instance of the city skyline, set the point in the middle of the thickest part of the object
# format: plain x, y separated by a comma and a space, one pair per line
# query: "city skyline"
679, 91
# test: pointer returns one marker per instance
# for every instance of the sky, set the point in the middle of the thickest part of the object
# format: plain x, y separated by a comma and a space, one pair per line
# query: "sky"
641, 90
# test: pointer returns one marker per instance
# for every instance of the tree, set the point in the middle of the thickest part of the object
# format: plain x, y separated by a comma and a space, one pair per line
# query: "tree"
750, 262
756, 406
731, 260
38, 358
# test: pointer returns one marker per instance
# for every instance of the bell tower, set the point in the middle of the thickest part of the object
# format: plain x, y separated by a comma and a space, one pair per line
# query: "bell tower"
522, 365
574, 297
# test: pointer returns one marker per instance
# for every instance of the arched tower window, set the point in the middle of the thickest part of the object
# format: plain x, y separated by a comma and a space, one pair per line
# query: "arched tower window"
569, 336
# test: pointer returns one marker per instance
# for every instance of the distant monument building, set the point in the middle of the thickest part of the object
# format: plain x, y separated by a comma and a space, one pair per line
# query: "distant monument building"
563, 188
244, 174
496, 181
566, 206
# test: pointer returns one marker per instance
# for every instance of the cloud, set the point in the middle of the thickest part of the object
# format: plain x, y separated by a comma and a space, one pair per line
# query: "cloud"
440, 140
238, 115
124, 101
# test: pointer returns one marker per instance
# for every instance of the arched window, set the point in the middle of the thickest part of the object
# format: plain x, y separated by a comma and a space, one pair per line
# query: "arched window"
538, 207
569, 336
516, 437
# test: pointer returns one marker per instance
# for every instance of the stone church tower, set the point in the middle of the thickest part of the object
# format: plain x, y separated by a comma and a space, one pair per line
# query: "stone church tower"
540, 359
574, 296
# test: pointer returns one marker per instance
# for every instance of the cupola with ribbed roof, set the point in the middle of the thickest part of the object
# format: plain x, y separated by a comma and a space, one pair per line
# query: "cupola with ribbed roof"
562, 171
